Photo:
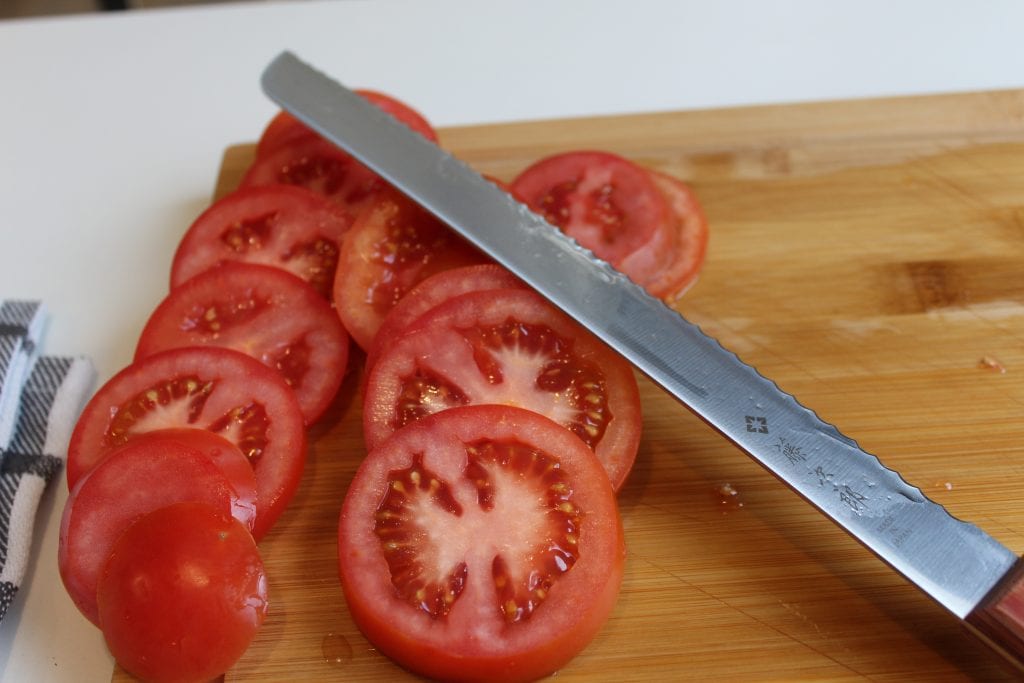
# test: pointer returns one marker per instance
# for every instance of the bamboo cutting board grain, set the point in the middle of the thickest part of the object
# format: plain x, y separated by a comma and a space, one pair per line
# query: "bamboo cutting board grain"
869, 257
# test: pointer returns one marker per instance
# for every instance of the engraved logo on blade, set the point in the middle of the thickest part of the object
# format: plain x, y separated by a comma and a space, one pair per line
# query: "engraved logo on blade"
757, 424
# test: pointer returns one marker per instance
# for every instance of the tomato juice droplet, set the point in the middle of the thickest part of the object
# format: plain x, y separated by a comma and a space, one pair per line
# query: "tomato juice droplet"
728, 497
336, 649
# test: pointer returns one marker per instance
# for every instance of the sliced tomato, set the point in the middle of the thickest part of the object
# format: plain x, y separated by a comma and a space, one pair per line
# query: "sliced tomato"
137, 478
319, 166
278, 225
433, 291
480, 543
182, 595
221, 390
605, 202
508, 347
393, 246
284, 128
264, 312
689, 243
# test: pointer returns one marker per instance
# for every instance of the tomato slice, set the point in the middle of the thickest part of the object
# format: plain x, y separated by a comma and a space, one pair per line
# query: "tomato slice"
284, 128
221, 390
265, 312
508, 347
278, 225
689, 244
605, 202
139, 477
433, 291
480, 543
182, 595
319, 166
393, 246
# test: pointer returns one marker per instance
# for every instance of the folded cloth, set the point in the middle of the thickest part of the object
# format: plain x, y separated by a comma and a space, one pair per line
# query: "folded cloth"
21, 330
40, 399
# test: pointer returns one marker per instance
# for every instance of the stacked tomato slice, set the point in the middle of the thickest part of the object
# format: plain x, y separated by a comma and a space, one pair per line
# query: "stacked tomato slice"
480, 537
646, 224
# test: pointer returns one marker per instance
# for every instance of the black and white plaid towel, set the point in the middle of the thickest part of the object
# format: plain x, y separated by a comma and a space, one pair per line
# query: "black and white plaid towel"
40, 399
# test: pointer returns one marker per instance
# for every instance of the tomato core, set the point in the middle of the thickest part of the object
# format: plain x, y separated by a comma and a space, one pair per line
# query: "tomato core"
416, 496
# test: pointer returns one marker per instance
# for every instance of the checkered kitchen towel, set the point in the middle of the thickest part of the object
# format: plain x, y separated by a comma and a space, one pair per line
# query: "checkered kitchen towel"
40, 399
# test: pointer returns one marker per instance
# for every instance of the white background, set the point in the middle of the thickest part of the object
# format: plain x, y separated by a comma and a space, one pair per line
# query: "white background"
112, 129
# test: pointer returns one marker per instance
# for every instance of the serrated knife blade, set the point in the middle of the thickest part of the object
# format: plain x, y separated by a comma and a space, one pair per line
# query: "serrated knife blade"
956, 563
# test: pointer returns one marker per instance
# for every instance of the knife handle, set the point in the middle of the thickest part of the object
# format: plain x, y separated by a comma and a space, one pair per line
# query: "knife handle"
999, 617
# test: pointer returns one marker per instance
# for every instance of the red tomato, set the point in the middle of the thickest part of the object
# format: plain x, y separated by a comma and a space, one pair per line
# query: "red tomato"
509, 347
139, 477
284, 128
319, 166
264, 312
480, 543
221, 390
278, 225
435, 290
183, 594
605, 202
689, 243
393, 246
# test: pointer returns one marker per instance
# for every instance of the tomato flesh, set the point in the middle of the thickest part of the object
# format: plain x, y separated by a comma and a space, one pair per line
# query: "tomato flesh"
262, 311
690, 239
605, 202
122, 488
182, 595
221, 390
317, 165
393, 246
480, 543
433, 291
508, 347
287, 227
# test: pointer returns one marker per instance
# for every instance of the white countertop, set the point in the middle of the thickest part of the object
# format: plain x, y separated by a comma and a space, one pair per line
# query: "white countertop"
112, 128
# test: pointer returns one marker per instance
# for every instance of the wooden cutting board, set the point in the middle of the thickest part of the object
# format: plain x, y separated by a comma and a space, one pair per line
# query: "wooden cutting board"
866, 255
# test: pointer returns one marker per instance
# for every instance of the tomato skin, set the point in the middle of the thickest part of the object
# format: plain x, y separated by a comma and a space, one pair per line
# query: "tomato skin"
393, 246
262, 311
285, 226
238, 385
440, 342
473, 642
137, 478
182, 595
